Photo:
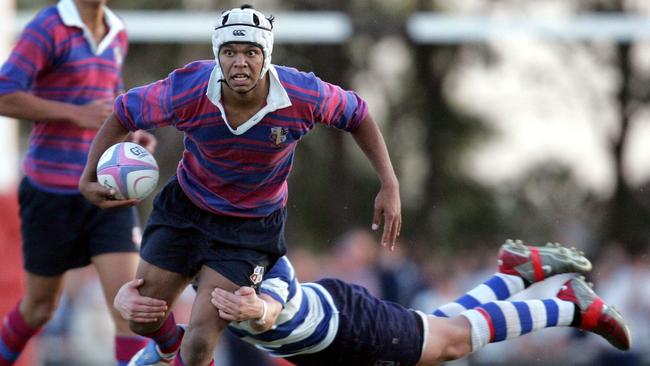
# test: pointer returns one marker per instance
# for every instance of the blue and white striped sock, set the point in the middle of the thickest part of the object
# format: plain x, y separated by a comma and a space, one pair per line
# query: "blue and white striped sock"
498, 287
502, 320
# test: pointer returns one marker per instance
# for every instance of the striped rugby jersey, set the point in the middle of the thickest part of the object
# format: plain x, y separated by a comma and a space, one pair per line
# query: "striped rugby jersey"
307, 323
56, 58
243, 171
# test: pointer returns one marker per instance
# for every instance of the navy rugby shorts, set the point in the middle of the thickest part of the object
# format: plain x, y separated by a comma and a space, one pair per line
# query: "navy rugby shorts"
371, 332
181, 237
64, 231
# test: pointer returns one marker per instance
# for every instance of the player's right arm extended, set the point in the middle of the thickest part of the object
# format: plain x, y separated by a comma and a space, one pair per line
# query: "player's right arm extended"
29, 107
108, 135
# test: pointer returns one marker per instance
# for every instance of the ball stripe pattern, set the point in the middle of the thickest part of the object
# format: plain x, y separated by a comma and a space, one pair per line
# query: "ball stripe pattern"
120, 165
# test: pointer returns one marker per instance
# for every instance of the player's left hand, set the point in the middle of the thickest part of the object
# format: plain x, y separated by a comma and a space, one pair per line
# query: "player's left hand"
388, 206
242, 305
144, 139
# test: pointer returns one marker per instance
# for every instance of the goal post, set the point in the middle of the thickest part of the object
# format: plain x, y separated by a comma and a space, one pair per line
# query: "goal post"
9, 144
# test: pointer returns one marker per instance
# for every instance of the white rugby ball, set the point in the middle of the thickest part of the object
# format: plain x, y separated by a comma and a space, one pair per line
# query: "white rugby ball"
129, 169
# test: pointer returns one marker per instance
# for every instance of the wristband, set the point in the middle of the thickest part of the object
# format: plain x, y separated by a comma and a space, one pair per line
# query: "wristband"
262, 320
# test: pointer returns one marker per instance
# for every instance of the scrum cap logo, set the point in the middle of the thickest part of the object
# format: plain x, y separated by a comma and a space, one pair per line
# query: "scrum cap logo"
239, 33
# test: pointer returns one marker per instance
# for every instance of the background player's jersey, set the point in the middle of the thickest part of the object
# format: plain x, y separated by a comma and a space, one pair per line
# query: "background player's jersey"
307, 323
242, 171
55, 58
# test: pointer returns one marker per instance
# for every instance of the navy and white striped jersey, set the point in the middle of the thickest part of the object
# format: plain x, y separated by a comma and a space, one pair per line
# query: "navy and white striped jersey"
307, 323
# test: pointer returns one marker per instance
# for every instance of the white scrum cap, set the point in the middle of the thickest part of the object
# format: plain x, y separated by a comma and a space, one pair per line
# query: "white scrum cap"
244, 25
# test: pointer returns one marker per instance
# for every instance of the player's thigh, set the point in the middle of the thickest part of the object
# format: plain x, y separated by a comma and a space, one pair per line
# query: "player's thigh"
160, 283
114, 270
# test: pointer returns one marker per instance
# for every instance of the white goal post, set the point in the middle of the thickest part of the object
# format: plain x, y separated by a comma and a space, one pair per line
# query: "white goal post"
9, 154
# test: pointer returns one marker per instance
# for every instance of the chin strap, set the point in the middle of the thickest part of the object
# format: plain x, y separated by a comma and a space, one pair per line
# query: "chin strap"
222, 80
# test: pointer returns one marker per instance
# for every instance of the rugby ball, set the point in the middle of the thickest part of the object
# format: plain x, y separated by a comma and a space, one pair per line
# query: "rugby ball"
129, 169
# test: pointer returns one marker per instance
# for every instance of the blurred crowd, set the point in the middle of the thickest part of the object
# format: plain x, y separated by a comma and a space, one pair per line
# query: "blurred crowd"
81, 334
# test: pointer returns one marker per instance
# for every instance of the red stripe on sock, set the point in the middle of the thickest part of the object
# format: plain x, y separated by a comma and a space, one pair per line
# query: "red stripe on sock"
589, 319
165, 328
168, 337
537, 264
127, 346
488, 318
15, 331
19, 325
10, 338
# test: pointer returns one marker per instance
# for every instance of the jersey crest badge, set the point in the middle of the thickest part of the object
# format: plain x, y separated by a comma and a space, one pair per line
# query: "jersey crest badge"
256, 277
278, 135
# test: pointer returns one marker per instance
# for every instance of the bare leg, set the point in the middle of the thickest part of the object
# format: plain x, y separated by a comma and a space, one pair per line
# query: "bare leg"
115, 269
42, 295
160, 284
205, 326
37, 306
447, 339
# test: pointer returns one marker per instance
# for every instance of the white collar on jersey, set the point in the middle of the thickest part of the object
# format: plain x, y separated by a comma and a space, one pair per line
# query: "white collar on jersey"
70, 17
277, 99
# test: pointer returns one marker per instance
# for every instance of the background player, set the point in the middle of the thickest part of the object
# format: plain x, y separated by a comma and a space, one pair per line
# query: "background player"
222, 216
63, 74
330, 322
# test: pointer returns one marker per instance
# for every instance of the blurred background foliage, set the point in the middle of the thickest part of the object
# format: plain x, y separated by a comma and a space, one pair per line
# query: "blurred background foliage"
445, 209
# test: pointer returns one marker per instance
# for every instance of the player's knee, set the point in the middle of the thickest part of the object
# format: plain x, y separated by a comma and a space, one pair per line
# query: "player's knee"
455, 351
432, 355
458, 344
442, 353
448, 339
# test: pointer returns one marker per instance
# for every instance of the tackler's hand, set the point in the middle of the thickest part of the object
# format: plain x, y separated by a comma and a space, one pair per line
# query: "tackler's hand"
135, 307
242, 305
